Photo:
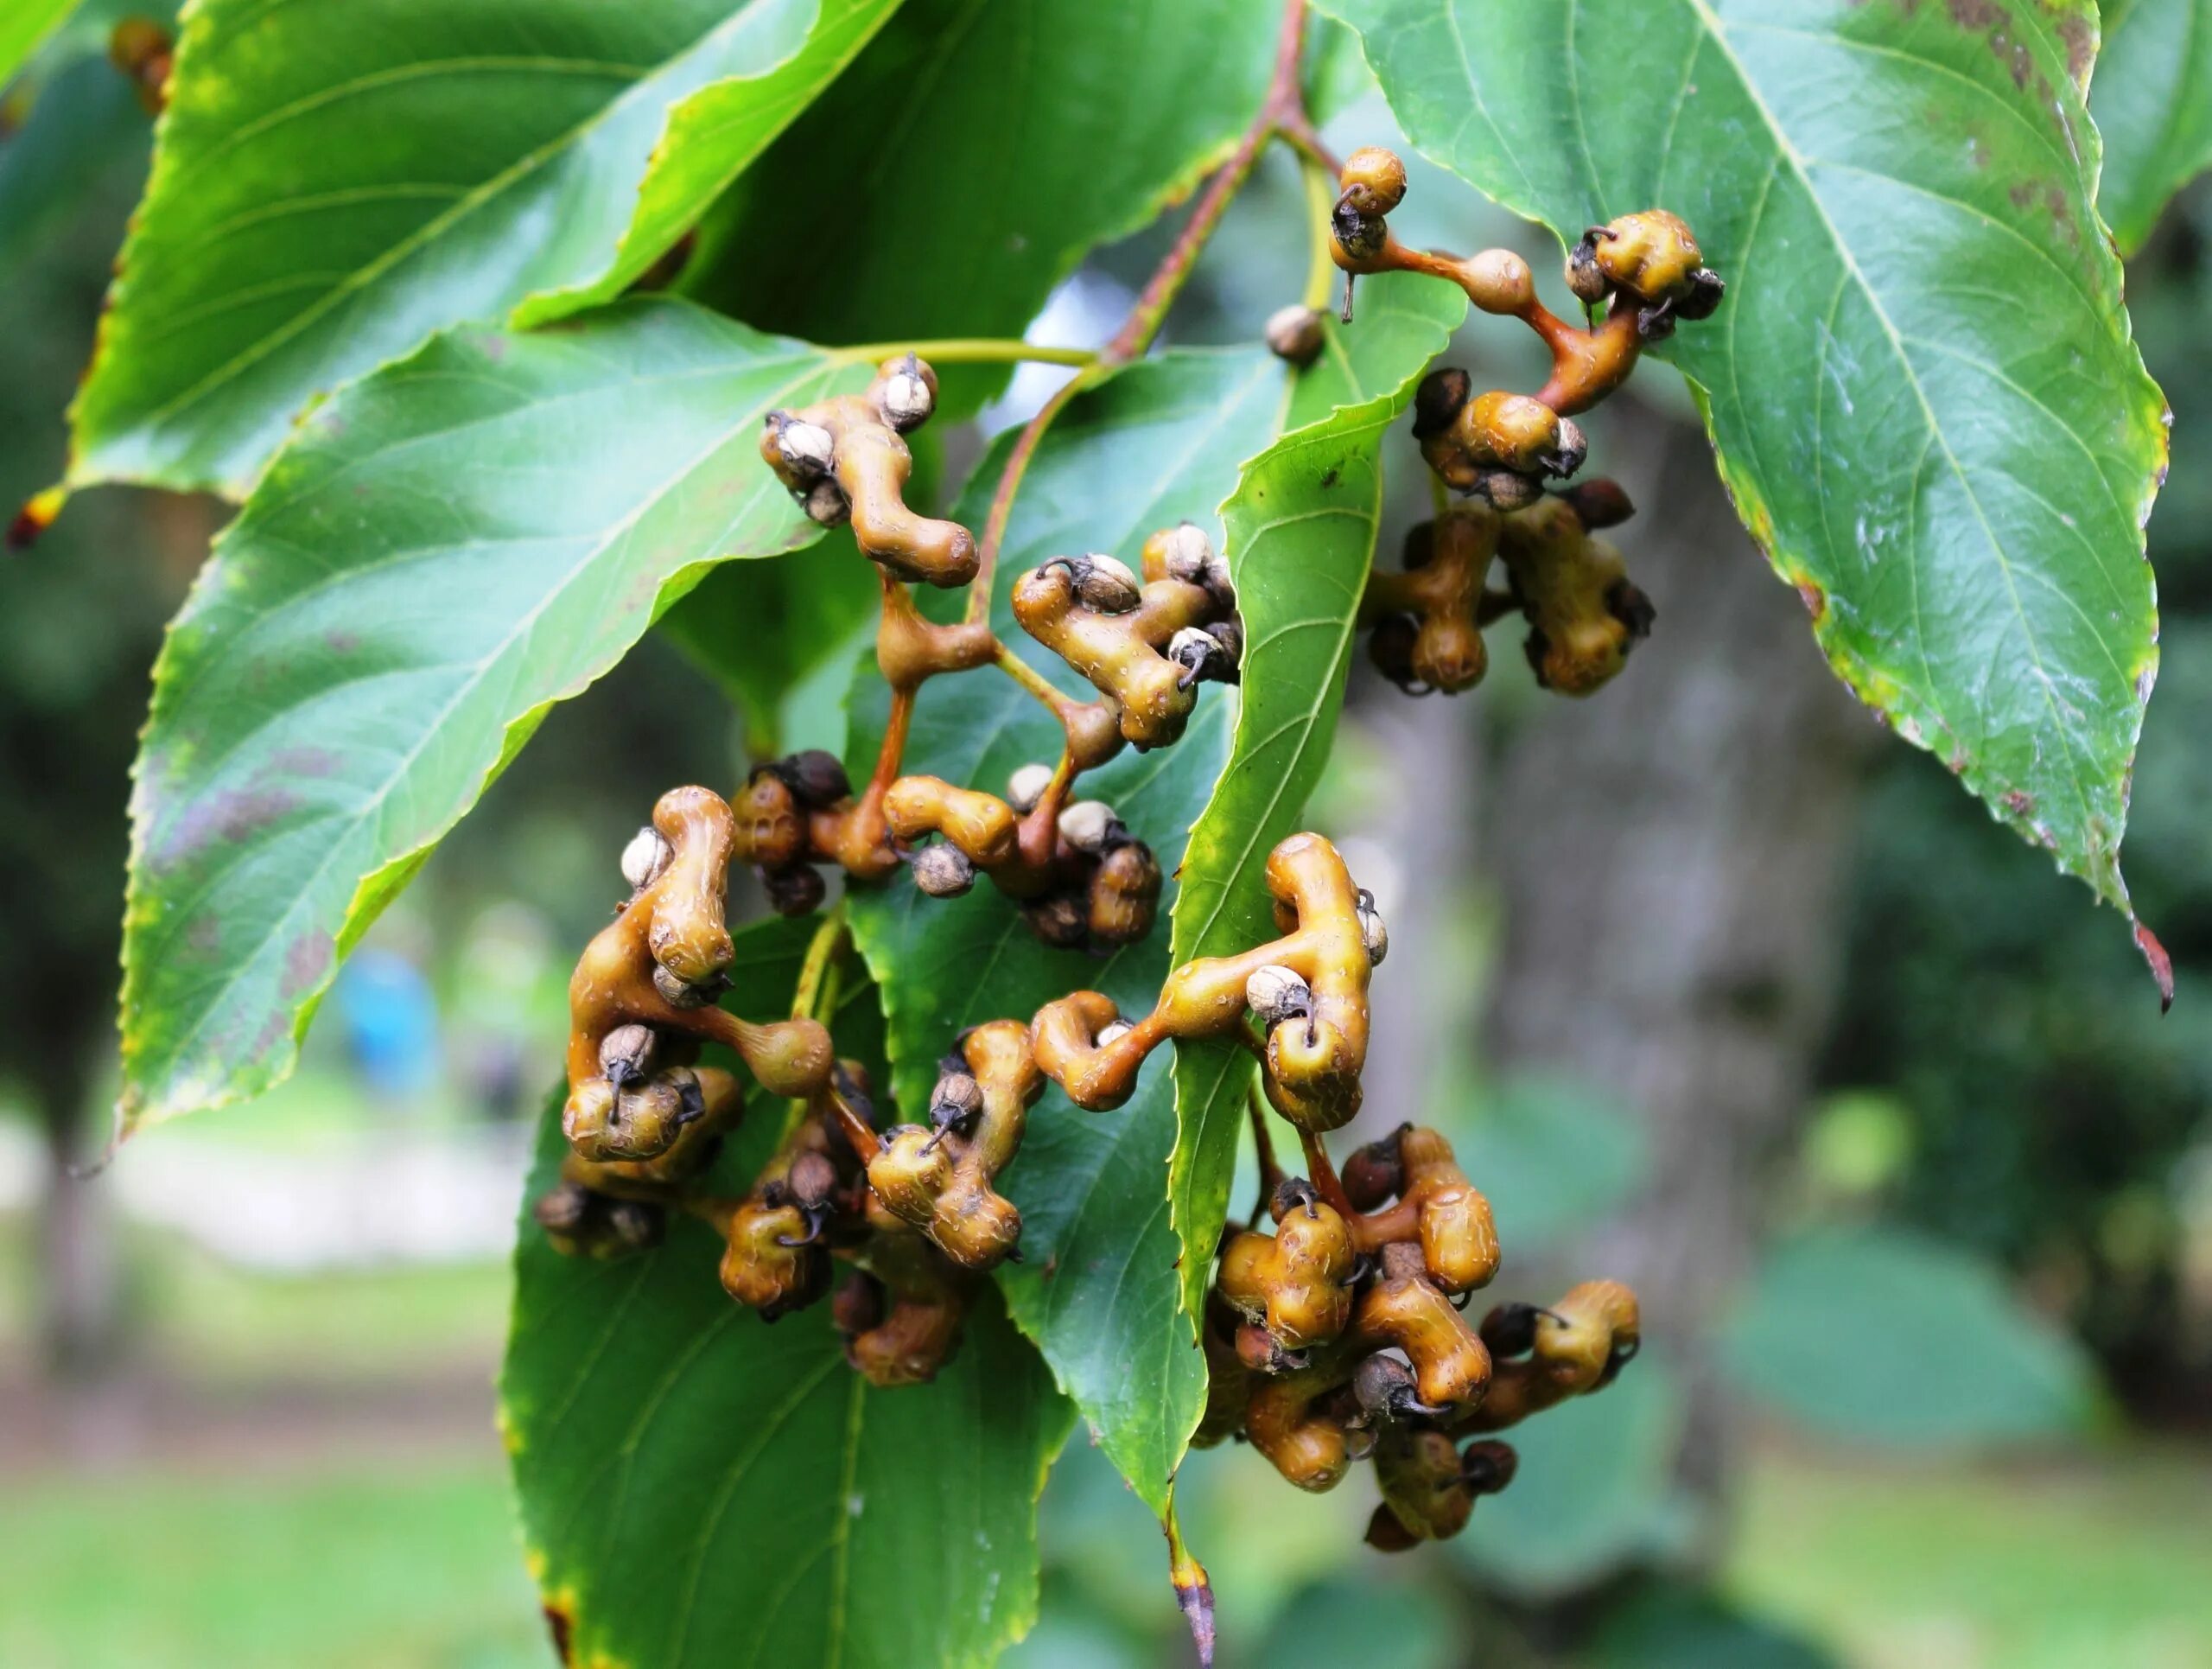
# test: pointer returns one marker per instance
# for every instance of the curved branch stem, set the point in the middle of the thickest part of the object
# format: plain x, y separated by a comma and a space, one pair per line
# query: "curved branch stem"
969, 350
1282, 112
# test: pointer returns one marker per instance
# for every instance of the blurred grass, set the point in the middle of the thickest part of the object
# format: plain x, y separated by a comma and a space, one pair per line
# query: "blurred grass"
407, 1564
353, 1542
412, 1564
188, 1312
2094, 1562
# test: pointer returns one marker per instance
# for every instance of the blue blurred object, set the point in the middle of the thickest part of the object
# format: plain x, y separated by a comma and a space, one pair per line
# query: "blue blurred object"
391, 1021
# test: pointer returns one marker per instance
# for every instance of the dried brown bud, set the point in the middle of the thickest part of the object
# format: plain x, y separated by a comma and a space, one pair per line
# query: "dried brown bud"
1295, 334
625, 1054
812, 1180
1504, 490
816, 776
1377, 1172
957, 1102
1062, 921
944, 871
794, 891
634, 1225
679, 993
1105, 583
1599, 502
1276, 993
1438, 401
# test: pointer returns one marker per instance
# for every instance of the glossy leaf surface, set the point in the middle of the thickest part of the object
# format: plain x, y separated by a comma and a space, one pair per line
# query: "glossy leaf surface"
980, 149
332, 186
444, 552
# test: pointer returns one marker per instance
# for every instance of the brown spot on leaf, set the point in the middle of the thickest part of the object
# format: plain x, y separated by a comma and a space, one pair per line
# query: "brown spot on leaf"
562, 1627
1331, 478
306, 963
224, 818
35, 518
1814, 599
2020, 802
305, 761
2162, 966
1987, 17
2080, 41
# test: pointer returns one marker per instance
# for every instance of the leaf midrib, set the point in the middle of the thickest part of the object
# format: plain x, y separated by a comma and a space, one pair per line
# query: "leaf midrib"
1786, 153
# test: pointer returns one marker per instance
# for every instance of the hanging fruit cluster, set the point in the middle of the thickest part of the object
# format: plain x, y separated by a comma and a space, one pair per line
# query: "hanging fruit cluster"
1336, 1333
1505, 453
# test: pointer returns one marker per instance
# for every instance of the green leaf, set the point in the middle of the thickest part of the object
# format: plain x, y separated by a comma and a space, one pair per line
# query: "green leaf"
697, 1487
1922, 384
330, 188
2153, 101
1301, 527
712, 135
23, 25
761, 629
1161, 442
971, 157
1886, 1335
444, 551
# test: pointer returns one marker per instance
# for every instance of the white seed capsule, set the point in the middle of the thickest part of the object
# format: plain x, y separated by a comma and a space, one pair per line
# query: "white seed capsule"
1105, 583
944, 871
1189, 553
676, 993
1086, 824
1295, 333
644, 857
807, 447
1276, 993
826, 503
1372, 931
1113, 1032
957, 1099
907, 398
1573, 448
1193, 649
1026, 788
625, 1054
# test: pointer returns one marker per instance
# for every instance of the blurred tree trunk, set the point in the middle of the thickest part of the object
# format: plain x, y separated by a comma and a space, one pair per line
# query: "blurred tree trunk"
1668, 854
79, 1287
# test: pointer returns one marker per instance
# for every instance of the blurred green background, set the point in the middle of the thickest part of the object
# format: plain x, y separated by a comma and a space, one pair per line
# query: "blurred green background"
1937, 1395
